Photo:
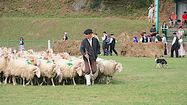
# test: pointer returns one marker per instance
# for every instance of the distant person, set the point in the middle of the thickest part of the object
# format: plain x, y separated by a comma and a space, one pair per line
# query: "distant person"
112, 45
164, 28
175, 46
89, 48
65, 36
107, 46
158, 38
21, 44
184, 18
164, 41
180, 35
180, 32
135, 39
151, 11
104, 44
181, 49
144, 38
95, 36
173, 19
153, 31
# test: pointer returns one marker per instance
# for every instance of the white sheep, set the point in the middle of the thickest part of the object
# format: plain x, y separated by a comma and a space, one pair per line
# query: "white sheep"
22, 68
108, 68
3, 63
69, 69
48, 69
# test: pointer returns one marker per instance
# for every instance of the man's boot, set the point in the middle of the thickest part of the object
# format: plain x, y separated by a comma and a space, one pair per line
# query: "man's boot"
88, 83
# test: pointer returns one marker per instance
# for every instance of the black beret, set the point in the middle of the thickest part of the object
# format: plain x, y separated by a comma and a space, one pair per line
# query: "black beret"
88, 31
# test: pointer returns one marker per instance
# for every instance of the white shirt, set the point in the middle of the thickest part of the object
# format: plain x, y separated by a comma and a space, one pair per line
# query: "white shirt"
174, 39
90, 41
111, 39
164, 40
104, 36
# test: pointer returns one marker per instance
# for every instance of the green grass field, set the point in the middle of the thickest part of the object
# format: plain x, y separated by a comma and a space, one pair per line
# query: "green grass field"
140, 83
36, 30
11, 28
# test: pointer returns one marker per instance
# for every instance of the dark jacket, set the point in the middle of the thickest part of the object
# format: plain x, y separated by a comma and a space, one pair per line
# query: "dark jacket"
113, 43
93, 50
21, 42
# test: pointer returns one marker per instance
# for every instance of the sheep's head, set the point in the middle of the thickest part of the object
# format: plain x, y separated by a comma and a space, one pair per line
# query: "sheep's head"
57, 70
119, 67
78, 68
79, 71
37, 71
65, 55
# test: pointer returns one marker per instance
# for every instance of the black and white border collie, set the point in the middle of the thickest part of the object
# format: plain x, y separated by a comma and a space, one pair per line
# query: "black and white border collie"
160, 62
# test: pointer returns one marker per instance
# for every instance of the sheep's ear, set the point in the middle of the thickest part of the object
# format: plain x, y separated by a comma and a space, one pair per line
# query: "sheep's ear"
35, 70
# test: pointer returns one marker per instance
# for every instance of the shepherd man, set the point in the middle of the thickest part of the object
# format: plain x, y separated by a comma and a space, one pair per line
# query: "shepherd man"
89, 48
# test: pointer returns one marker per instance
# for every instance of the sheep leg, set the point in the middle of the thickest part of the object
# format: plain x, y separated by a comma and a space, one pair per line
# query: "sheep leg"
52, 82
111, 78
43, 81
5, 82
9, 81
14, 80
32, 83
107, 80
35, 81
92, 80
73, 81
63, 82
23, 81
28, 82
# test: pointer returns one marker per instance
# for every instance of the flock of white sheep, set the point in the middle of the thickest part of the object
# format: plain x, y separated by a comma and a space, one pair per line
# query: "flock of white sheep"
26, 67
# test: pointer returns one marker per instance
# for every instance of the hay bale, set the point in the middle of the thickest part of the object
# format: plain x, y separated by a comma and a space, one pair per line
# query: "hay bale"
130, 48
70, 46
125, 44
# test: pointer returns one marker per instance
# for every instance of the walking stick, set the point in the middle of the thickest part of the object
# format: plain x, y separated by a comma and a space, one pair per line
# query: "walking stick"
89, 63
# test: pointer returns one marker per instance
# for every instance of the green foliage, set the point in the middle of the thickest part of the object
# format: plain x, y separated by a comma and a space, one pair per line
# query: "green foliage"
137, 4
127, 7
95, 4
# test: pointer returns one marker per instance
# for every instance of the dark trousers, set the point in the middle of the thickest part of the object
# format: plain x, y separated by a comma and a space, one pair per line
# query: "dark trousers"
112, 48
104, 47
165, 49
107, 49
174, 48
164, 31
92, 64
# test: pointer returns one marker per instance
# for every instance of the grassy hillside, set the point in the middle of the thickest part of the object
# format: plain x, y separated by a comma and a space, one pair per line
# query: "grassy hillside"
64, 8
138, 84
43, 29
